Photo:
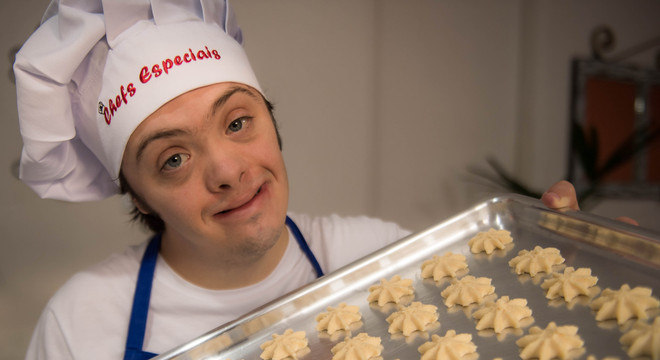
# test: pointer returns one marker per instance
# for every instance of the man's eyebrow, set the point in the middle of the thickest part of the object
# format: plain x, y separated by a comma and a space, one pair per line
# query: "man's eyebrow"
156, 136
228, 94
216, 105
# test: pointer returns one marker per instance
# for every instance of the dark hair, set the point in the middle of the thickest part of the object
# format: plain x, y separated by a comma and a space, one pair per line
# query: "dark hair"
151, 219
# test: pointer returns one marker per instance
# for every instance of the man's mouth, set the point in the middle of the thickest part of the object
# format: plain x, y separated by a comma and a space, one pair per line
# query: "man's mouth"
242, 205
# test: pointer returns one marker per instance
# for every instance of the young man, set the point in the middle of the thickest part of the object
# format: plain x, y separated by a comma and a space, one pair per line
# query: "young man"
160, 99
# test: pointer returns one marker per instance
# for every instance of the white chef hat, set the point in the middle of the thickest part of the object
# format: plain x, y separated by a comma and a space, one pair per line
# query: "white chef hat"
95, 69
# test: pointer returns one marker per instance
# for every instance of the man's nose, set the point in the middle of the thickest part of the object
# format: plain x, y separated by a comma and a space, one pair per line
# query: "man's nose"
226, 168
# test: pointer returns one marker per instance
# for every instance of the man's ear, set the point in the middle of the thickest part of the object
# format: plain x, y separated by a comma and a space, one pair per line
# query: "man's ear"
141, 206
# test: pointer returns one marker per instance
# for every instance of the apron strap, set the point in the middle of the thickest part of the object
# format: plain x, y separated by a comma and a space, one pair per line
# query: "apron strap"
138, 322
304, 246
132, 354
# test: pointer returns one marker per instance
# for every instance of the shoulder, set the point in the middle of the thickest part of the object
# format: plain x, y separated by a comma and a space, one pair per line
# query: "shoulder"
347, 226
339, 240
94, 302
115, 273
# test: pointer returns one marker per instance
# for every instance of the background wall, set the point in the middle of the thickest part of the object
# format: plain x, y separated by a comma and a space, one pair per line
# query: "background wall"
383, 106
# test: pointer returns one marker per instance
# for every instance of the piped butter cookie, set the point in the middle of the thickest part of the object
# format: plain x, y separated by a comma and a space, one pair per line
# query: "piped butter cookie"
451, 346
489, 241
501, 314
537, 260
359, 347
338, 318
643, 340
446, 265
416, 317
467, 290
569, 284
624, 303
390, 291
288, 345
549, 343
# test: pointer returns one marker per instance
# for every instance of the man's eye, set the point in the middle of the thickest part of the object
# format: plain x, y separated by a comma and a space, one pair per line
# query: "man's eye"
237, 124
175, 161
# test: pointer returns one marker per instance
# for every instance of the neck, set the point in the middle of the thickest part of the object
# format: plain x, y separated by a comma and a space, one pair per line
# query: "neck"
220, 270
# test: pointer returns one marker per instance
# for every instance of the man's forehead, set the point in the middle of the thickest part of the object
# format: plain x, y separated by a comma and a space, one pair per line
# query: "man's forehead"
204, 101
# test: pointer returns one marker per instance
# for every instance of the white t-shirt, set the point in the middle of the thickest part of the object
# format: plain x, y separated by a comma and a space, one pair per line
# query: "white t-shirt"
88, 317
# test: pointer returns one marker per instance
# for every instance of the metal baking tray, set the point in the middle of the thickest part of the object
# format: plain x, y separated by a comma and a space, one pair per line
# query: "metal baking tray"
617, 253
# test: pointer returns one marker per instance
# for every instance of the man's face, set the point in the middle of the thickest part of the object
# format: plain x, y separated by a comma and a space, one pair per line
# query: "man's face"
209, 164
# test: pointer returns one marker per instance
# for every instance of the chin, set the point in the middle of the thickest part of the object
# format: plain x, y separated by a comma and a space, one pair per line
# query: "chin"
253, 247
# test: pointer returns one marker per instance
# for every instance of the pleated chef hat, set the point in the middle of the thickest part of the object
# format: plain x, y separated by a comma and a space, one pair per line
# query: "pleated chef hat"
95, 69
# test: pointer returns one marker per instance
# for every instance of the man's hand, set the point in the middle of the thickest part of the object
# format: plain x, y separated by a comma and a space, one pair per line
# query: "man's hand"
561, 196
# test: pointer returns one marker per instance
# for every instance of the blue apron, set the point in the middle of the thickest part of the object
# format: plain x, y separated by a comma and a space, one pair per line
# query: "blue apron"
138, 322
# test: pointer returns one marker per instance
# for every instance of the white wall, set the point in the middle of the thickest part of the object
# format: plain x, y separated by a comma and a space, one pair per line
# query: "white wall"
448, 78
382, 106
